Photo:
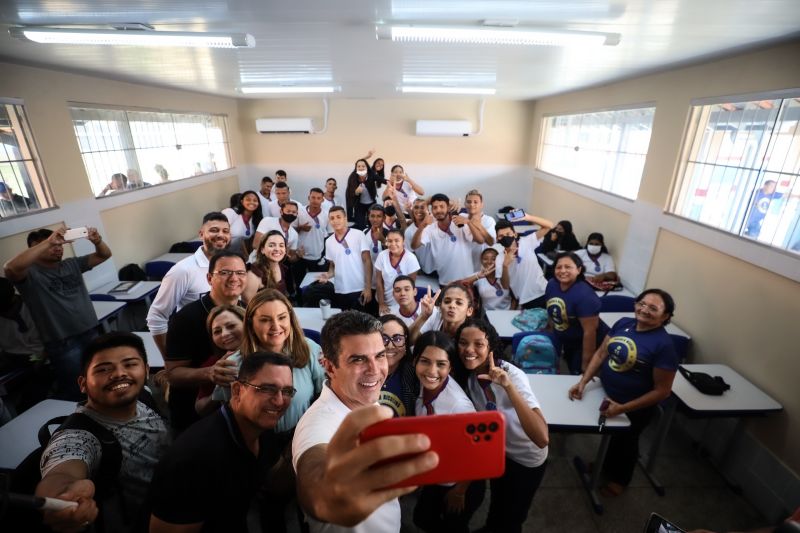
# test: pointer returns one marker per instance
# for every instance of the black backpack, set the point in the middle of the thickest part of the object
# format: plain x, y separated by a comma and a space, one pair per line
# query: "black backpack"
27, 475
132, 272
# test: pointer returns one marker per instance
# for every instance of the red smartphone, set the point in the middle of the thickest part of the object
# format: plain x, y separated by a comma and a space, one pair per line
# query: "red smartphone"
470, 445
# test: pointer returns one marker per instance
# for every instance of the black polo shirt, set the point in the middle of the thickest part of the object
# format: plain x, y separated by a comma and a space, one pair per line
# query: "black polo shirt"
188, 338
209, 475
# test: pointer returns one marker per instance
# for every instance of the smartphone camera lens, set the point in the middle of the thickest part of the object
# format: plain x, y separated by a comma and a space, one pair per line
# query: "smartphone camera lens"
476, 438
471, 429
487, 437
493, 426
482, 427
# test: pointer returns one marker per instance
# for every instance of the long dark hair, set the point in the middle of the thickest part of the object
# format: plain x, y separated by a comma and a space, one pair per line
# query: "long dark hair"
493, 339
379, 175
442, 340
257, 214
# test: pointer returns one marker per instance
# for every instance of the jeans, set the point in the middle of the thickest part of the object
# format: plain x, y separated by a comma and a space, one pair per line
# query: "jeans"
65, 360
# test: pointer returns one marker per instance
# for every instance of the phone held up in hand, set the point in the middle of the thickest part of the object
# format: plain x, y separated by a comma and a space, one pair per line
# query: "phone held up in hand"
76, 233
469, 445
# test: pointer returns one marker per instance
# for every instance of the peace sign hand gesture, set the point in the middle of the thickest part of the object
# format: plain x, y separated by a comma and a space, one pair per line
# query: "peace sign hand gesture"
428, 302
496, 374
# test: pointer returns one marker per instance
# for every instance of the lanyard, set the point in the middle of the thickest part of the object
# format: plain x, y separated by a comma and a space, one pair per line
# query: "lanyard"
452, 237
429, 404
343, 242
316, 218
414, 314
396, 265
491, 400
496, 285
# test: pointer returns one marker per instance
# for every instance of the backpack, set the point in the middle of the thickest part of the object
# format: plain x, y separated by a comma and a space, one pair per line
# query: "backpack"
536, 354
27, 475
531, 320
132, 272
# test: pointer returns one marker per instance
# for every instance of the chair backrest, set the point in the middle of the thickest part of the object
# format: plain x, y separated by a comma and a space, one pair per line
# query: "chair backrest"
421, 292
681, 346
156, 270
313, 335
535, 352
186, 247
615, 303
102, 298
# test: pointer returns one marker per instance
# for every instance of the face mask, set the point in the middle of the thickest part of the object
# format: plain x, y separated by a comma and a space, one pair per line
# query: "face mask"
594, 249
289, 218
390, 211
361, 173
506, 241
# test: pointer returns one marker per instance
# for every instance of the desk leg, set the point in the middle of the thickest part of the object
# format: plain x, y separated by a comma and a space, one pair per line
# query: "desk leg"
661, 435
592, 480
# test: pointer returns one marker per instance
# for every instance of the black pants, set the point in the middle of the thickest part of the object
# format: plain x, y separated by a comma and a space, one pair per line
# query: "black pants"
301, 267
348, 301
360, 212
623, 448
430, 513
512, 495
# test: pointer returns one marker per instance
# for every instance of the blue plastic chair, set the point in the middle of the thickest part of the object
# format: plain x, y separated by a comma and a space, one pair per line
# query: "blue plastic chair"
156, 270
681, 346
421, 292
313, 335
102, 298
614, 303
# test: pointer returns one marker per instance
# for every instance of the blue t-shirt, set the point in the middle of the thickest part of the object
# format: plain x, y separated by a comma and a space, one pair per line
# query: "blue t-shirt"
758, 211
627, 372
391, 394
564, 308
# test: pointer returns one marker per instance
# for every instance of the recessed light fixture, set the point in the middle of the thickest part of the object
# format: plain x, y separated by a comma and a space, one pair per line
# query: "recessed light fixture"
447, 90
494, 35
288, 89
134, 37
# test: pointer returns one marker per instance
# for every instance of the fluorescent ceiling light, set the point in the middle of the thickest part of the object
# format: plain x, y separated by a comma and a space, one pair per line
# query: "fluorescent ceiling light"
287, 89
135, 37
495, 35
447, 90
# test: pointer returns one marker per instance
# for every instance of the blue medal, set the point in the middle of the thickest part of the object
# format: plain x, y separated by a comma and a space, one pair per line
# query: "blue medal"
452, 238
499, 292
347, 251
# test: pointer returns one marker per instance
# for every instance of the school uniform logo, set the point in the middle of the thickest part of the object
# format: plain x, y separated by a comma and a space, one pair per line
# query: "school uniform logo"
557, 309
621, 354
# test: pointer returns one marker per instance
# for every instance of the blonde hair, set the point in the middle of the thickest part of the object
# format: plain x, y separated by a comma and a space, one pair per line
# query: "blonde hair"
296, 346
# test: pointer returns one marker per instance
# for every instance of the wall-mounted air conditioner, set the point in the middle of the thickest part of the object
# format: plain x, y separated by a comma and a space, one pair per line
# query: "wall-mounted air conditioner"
444, 128
285, 125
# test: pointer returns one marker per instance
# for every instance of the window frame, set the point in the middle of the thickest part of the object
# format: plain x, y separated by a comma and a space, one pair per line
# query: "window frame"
134, 150
42, 191
678, 192
626, 107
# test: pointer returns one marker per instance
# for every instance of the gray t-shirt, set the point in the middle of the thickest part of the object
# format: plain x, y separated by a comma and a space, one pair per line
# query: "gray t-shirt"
58, 299
143, 440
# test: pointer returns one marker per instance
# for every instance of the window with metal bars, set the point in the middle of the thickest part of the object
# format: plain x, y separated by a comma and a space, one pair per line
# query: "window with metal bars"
605, 150
126, 149
23, 186
740, 166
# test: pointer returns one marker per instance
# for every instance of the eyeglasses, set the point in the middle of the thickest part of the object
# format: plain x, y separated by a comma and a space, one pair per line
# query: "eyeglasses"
272, 390
651, 308
229, 273
397, 340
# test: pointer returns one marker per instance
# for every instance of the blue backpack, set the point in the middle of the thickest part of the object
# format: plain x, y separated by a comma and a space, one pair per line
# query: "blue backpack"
537, 354
531, 320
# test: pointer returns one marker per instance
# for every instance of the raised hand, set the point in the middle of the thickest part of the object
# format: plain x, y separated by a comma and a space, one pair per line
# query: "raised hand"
428, 302
224, 371
496, 374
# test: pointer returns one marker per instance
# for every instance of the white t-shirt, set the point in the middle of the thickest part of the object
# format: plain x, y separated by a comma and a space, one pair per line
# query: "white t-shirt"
238, 227
348, 267
408, 265
185, 282
423, 253
434, 322
489, 294
451, 251
275, 209
450, 401
337, 200
313, 241
525, 276
488, 223
518, 446
272, 223
409, 320
375, 247
264, 203
317, 426
605, 263
406, 196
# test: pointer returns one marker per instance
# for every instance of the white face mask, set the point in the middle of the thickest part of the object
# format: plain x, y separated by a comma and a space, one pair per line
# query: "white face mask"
361, 173
594, 249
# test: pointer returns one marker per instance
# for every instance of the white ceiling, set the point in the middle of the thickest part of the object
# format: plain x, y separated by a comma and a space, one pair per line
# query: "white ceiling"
333, 41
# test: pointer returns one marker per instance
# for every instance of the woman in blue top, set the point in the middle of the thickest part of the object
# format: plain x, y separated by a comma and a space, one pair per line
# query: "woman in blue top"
573, 311
637, 364
401, 387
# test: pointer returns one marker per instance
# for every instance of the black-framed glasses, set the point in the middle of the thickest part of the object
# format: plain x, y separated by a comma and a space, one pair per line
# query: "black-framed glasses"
271, 390
397, 340
229, 273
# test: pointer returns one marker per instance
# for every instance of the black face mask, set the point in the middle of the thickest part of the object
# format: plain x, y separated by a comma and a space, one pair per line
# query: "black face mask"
390, 211
289, 218
506, 241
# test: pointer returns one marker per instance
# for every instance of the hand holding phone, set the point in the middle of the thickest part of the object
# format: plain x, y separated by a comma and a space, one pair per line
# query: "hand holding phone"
76, 233
469, 445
